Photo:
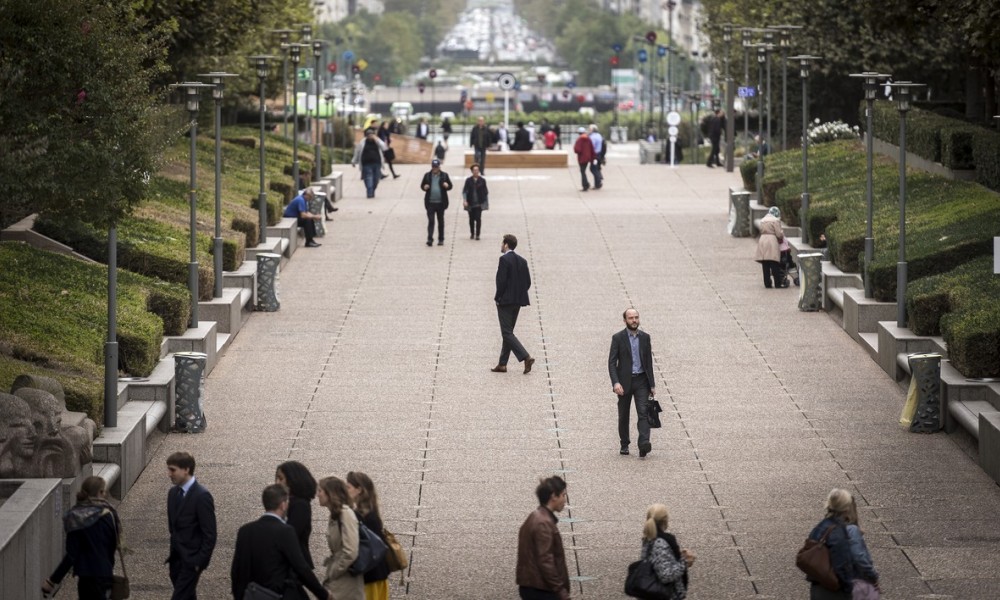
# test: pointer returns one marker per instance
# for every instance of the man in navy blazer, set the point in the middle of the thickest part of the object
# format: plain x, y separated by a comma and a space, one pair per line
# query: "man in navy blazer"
513, 282
268, 552
630, 365
191, 522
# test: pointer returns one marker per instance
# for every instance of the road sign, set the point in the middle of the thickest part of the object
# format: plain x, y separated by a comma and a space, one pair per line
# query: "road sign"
617, 47
348, 55
304, 74
643, 55
651, 37
362, 64
571, 84
661, 51
672, 130
432, 73
673, 118
746, 92
332, 67
506, 81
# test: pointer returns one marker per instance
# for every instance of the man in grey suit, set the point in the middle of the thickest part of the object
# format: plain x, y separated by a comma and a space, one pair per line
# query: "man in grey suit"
630, 365
513, 282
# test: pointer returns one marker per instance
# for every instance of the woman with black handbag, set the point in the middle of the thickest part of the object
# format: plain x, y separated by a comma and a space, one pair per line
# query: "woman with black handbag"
361, 489
661, 573
91, 540
342, 536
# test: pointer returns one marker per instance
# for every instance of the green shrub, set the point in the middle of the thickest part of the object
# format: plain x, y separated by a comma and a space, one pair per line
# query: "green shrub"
956, 147
968, 286
84, 390
986, 155
248, 142
249, 229
929, 135
973, 339
748, 170
283, 189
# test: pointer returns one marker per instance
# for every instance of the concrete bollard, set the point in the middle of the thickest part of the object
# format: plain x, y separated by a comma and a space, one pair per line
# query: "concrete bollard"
739, 214
925, 373
189, 369
267, 282
811, 278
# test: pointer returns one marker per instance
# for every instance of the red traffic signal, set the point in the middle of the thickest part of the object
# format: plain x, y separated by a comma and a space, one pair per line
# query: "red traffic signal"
420, 87
581, 98
377, 78
651, 37
614, 61
432, 73
355, 69
565, 94
332, 67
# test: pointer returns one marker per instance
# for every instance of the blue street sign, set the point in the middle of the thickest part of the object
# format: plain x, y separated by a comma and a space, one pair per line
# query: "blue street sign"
617, 47
571, 84
643, 55
661, 51
348, 55
747, 92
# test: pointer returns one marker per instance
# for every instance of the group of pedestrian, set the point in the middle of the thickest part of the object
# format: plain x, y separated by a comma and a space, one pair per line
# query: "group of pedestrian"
475, 199
590, 152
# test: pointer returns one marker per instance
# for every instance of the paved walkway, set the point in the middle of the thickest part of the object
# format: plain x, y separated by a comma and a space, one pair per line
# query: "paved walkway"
379, 361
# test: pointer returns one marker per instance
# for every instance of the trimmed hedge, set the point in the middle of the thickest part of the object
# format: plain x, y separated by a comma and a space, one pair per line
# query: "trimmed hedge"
84, 390
986, 155
973, 339
971, 285
748, 170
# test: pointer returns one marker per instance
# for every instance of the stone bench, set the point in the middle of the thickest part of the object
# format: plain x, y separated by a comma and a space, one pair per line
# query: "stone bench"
650, 152
521, 159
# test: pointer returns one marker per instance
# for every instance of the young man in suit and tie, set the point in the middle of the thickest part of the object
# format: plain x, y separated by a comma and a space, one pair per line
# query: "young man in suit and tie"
191, 522
268, 552
513, 282
630, 365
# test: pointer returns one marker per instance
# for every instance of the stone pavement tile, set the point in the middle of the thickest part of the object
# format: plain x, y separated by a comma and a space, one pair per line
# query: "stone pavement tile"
952, 562
972, 588
444, 573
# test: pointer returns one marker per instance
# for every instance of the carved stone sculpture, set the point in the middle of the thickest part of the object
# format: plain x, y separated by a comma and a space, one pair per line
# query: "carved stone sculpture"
17, 438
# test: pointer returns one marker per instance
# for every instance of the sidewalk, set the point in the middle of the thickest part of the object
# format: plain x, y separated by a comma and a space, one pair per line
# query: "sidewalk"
379, 361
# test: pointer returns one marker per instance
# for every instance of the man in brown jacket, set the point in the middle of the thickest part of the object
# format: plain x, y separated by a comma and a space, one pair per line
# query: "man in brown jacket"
541, 560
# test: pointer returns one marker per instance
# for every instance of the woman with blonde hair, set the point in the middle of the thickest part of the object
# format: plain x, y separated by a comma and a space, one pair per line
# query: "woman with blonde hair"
669, 561
361, 490
342, 538
849, 556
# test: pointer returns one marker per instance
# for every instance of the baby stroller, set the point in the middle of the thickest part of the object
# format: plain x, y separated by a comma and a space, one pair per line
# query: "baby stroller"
790, 268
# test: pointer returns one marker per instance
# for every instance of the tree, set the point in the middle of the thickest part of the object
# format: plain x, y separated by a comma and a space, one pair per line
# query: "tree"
80, 129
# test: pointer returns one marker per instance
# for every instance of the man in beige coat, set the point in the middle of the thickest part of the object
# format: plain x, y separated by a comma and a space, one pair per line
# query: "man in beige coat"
541, 560
768, 252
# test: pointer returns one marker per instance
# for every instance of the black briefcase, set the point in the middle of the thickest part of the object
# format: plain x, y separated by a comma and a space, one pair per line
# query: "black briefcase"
653, 409
259, 592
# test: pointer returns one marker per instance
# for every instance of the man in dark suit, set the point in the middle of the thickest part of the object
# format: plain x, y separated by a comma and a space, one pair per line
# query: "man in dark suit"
513, 282
191, 521
268, 553
630, 365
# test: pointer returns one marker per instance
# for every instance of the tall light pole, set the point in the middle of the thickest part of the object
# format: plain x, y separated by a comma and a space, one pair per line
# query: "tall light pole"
761, 152
295, 54
871, 82
727, 39
805, 66
261, 62
217, 80
192, 89
785, 42
769, 47
284, 37
317, 49
670, 5
746, 39
902, 92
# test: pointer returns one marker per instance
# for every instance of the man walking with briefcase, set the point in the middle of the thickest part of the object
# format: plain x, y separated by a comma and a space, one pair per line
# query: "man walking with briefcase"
630, 365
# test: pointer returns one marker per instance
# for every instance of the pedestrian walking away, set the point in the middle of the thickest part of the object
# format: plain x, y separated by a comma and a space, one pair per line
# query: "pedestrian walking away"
298, 209
832, 532
92, 536
475, 199
480, 139
435, 184
513, 282
716, 125
301, 491
191, 523
768, 251
446, 128
364, 500
541, 560
368, 153
385, 134
597, 140
669, 562
343, 540
268, 554
630, 365
584, 150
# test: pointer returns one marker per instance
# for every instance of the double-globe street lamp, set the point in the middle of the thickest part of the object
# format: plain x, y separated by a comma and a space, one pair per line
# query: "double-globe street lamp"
284, 38
295, 55
902, 92
317, 50
746, 40
727, 39
261, 63
871, 81
764, 147
805, 66
217, 80
785, 42
192, 90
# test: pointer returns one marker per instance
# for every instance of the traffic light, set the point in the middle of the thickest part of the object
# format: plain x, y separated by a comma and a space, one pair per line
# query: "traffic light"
377, 78
614, 60
420, 87
355, 69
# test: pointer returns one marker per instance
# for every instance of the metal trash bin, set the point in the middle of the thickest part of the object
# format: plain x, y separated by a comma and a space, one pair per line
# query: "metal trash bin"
811, 278
925, 377
739, 214
316, 208
267, 282
189, 371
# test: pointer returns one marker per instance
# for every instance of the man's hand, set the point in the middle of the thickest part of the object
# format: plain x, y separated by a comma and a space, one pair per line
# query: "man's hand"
465, 204
618, 389
652, 392
425, 187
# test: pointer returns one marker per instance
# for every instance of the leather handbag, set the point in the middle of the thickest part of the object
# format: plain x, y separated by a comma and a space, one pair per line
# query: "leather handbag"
813, 559
259, 592
396, 556
653, 411
371, 551
642, 582
120, 589
390, 155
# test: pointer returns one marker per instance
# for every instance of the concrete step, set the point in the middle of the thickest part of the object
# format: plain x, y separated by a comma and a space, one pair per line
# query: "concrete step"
245, 277
288, 230
225, 311
196, 339
966, 414
271, 246
125, 445
869, 341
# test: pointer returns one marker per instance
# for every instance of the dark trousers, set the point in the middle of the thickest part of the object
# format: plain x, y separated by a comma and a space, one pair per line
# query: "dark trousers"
772, 271
475, 220
93, 588
437, 211
528, 593
595, 169
507, 313
713, 158
479, 154
309, 227
185, 581
639, 391
371, 173
583, 176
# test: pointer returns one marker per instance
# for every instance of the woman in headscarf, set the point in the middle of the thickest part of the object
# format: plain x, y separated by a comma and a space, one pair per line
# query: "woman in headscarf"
768, 252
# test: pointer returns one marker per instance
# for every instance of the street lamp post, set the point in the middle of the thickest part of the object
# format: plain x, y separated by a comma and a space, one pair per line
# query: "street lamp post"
261, 63
785, 41
902, 92
871, 85
746, 37
670, 5
295, 52
805, 65
769, 46
284, 37
761, 152
317, 49
192, 89
217, 80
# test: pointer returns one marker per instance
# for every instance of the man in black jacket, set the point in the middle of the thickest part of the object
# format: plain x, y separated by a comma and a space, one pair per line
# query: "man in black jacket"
268, 553
191, 522
630, 365
716, 125
513, 282
435, 184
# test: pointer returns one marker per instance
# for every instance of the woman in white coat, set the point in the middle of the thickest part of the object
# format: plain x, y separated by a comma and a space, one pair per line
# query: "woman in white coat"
342, 538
